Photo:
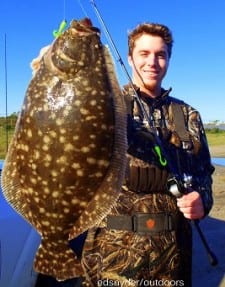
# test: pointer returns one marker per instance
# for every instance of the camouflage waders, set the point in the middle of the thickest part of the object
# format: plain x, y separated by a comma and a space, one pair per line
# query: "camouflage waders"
146, 241
128, 258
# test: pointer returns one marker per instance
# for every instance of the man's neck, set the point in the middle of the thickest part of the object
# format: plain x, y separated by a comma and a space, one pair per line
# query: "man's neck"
151, 93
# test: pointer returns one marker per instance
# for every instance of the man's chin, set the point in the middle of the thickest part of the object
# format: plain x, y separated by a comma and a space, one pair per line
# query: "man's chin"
150, 86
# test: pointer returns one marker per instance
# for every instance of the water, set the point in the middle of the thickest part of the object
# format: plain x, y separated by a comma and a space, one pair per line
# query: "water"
1, 163
218, 160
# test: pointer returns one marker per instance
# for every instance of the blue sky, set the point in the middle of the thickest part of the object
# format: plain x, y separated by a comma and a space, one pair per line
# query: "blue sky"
197, 67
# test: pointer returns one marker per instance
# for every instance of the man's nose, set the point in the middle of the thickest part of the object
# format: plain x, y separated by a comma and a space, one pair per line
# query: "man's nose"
152, 60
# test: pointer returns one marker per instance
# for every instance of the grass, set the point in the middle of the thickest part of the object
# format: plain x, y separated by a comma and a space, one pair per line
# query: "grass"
4, 141
215, 138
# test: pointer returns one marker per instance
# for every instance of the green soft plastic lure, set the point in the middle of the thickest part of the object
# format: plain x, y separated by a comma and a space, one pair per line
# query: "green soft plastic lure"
62, 26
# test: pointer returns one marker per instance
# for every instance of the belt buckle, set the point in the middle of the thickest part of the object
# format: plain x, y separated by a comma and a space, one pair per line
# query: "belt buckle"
152, 223
143, 223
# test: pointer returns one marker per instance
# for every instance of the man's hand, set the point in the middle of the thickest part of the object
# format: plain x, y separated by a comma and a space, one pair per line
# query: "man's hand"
191, 205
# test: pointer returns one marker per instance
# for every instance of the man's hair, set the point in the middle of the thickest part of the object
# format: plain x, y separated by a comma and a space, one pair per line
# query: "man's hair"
151, 29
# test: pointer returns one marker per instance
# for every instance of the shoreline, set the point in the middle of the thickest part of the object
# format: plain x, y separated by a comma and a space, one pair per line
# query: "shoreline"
217, 151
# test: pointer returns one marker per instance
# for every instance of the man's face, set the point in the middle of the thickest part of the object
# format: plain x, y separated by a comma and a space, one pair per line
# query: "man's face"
149, 62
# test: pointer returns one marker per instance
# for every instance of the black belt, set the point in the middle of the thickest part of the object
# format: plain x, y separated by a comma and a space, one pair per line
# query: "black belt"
143, 222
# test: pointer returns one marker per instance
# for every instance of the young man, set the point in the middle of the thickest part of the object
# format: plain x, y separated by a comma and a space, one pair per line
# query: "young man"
149, 54
146, 240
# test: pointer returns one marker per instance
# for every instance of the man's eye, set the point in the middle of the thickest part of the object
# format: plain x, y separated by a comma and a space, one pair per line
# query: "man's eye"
161, 55
143, 54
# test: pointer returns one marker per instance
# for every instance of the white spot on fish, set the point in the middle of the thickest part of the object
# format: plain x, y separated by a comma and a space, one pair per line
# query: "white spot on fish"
36, 154
69, 147
84, 111
33, 180
103, 163
90, 118
46, 164
53, 134
76, 138
45, 223
40, 134
34, 166
65, 203
45, 108
80, 172
46, 190
48, 157
77, 103
98, 174
59, 121
92, 136
76, 165
74, 201
29, 133
93, 92
46, 139
42, 210
62, 131
93, 102
52, 116
55, 194
91, 160
54, 173
28, 120
66, 210
104, 127
37, 199
85, 149
45, 147
30, 190
62, 159
62, 139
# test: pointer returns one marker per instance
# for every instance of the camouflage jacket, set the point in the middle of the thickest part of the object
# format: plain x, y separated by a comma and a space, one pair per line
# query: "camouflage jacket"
185, 143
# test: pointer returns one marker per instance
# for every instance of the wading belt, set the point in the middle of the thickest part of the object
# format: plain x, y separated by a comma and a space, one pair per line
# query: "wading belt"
143, 222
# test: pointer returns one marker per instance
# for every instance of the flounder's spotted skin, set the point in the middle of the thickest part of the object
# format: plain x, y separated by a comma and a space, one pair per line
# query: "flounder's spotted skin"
66, 162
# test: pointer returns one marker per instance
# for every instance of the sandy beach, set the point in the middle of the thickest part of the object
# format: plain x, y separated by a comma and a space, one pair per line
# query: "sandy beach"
213, 227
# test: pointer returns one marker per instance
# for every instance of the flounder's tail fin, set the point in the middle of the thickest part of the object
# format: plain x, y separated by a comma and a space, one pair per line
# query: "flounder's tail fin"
57, 260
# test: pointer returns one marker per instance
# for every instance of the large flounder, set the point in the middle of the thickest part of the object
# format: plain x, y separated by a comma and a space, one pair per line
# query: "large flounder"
66, 162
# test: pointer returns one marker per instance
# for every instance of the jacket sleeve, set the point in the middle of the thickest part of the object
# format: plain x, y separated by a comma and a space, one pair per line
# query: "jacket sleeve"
203, 168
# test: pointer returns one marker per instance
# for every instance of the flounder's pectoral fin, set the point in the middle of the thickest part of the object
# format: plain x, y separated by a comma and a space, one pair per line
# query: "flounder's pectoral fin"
56, 259
97, 208
103, 201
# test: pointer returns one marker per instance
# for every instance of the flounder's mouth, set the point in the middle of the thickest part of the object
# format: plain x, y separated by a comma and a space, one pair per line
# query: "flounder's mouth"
84, 26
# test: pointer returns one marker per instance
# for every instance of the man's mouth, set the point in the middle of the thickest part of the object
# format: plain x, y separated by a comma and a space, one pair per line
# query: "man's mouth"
151, 74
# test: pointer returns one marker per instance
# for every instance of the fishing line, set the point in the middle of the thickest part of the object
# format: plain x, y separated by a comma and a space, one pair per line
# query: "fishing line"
64, 9
119, 59
82, 8
6, 99
62, 25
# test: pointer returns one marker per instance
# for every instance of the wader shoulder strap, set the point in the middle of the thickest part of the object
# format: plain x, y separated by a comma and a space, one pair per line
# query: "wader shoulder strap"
179, 122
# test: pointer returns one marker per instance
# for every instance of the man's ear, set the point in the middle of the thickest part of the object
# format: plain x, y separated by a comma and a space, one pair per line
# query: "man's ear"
130, 60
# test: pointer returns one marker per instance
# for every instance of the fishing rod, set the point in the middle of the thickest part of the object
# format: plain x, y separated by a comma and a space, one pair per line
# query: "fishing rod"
157, 143
6, 99
177, 184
